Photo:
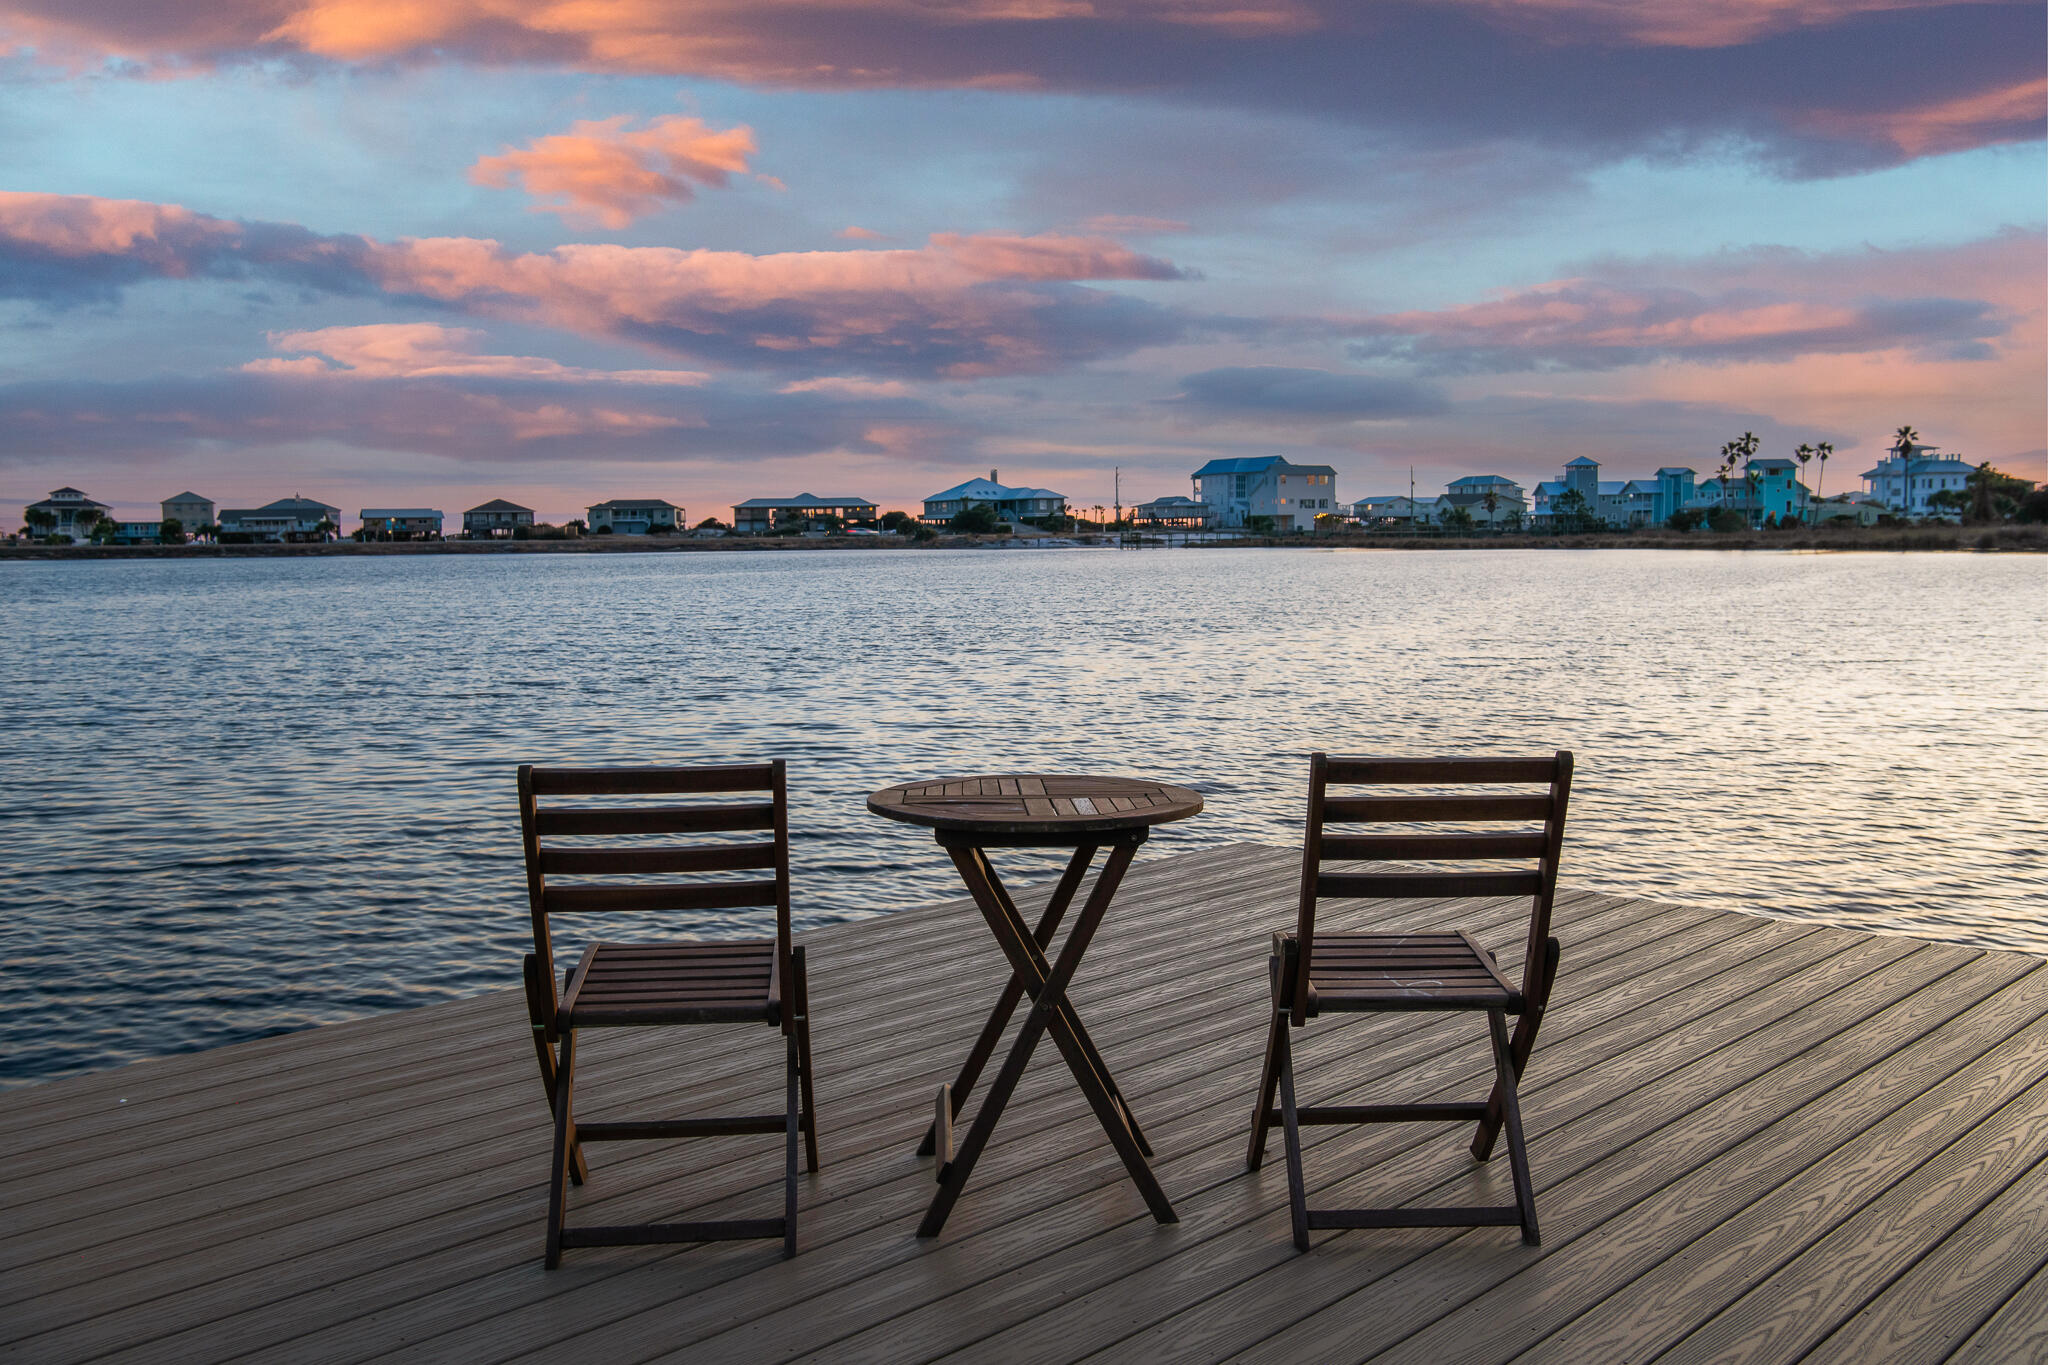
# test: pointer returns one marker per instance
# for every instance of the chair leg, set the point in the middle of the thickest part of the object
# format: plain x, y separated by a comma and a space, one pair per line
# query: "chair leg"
1511, 1113
803, 1058
1269, 1077
1526, 1025
558, 1194
544, 1053
1297, 1188
793, 1123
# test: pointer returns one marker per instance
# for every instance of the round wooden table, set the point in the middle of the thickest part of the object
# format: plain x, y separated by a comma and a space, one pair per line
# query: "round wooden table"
968, 816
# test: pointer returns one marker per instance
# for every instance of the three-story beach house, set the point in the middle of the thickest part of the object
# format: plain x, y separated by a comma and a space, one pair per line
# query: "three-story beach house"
1293, 495
1904, 481
189, 510
1613, 502
69, 510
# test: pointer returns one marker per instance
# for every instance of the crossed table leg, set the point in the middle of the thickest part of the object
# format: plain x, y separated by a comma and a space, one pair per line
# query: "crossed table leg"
1051, 1011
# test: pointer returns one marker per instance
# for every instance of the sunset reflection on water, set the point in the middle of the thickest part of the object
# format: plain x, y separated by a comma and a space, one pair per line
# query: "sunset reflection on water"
249, 795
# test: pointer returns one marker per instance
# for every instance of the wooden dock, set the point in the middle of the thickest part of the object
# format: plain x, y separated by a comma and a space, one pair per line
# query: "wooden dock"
1753, 1140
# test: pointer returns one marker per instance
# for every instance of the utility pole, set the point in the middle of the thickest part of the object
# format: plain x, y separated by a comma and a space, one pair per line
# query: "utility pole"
1118, 475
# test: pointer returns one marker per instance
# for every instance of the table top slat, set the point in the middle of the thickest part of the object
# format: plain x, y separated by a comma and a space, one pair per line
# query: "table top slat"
1012, 804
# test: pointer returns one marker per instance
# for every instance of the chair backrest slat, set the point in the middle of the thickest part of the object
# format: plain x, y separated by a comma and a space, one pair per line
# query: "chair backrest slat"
1409, 885
1437, 771
546, 860
708, 819
1538, 847
565, 900
1420, 809
619, 862
731, 777
1352, 847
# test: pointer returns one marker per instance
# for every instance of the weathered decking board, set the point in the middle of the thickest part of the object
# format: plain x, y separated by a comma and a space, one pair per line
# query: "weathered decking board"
1752, 1139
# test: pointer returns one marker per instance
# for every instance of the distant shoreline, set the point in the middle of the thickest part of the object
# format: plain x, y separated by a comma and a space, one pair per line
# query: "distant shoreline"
2013, 538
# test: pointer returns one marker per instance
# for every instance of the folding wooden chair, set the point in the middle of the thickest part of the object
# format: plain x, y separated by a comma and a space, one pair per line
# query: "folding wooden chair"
1316, 973
637, 984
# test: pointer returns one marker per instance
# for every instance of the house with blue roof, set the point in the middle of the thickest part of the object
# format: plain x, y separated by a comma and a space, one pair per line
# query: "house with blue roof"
1293, 495
1617, 502
1011, 504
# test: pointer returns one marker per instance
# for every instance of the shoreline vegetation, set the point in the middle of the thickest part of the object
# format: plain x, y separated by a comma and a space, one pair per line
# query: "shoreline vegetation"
2007, 538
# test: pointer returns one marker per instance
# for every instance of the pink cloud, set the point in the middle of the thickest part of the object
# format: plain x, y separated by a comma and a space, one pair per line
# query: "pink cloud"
1766, 305
847, 387
764, 39
1820, 85
1939, 125
962, 305
601, 169
854, 233
425, 350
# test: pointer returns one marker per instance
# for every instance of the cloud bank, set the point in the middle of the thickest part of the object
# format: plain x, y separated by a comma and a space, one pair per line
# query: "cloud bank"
961, 306
1819, 86
1768, 305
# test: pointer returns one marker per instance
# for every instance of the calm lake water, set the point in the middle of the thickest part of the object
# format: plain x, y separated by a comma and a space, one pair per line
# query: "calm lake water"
242, 796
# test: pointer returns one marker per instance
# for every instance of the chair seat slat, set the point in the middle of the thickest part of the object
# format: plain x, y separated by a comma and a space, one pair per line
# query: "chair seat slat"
560, 822
620, 862
563, 900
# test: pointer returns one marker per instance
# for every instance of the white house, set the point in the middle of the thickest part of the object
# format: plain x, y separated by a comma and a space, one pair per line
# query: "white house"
635, 516
189, 510
1174, 510
400, 523
1905, 483
70, 510
496, 519
1489, 499
288, 519
1392, 509
1293, 495
756, 516
1011, 504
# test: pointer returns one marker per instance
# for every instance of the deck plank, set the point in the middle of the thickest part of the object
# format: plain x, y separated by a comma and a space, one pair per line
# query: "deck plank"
1748, 1135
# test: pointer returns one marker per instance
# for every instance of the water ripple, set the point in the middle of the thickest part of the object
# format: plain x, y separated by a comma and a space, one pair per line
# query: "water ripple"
240, 797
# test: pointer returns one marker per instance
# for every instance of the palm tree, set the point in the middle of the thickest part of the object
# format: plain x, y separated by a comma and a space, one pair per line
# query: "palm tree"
1823, 450
40, 521
1903, 441
1492, 504
1803, 454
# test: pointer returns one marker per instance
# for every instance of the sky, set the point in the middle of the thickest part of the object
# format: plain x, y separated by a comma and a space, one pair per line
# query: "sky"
400, 253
